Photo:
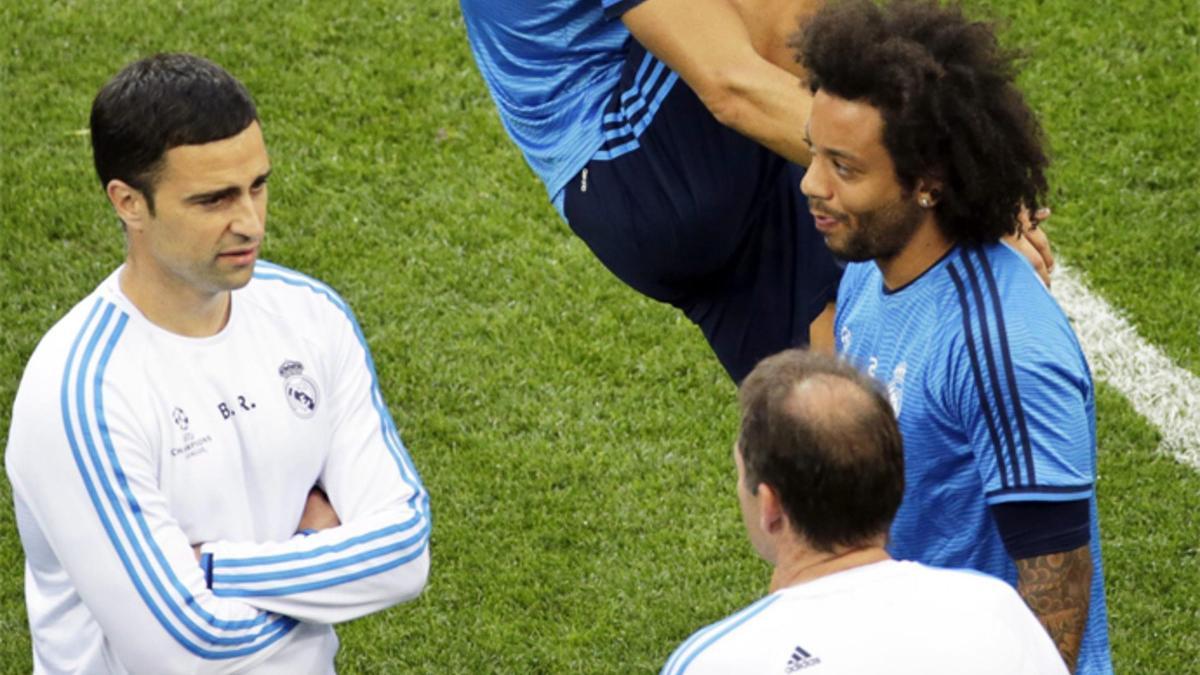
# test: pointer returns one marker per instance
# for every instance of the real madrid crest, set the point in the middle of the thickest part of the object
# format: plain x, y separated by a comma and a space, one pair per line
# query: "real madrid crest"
300, 389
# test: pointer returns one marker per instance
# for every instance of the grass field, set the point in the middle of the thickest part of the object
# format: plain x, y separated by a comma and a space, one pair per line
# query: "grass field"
575, 436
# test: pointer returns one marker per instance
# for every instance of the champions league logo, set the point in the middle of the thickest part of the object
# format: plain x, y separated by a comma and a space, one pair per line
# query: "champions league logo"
300, 389
180, 418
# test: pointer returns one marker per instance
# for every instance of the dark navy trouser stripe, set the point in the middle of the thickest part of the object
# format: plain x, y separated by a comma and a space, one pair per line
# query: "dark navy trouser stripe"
624, 129
617, 111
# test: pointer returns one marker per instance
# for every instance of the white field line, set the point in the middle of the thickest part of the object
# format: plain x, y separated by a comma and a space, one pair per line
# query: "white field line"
1162, 392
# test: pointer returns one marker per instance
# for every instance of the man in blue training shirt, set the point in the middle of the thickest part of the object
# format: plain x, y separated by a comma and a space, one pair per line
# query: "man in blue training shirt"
630, 138
922, 146
667, 136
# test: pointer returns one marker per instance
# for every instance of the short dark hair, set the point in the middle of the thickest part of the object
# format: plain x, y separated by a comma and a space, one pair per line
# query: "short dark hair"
159, 103
950, 106
825, 439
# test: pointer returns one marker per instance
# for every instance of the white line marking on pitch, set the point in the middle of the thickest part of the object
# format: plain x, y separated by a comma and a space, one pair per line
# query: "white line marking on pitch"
1162, 392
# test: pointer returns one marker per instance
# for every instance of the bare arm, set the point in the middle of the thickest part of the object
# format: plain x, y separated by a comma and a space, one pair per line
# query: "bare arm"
820, 331
1057, 588
318, 513
717, 47
773, 24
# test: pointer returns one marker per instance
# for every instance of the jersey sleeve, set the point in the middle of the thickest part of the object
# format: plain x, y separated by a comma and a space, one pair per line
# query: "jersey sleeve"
96, 529
1021, 388
379, 555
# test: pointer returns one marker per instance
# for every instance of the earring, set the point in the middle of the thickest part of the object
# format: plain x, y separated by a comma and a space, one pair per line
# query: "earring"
924, 201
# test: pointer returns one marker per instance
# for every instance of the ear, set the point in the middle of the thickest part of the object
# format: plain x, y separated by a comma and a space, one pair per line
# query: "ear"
130, 204
770, 510
928, 192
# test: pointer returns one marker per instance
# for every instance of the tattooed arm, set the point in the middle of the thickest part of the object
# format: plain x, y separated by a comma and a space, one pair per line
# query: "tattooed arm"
1057, 587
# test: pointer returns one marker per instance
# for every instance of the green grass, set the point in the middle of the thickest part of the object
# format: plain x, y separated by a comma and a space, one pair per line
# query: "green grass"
575, 436
1119, 88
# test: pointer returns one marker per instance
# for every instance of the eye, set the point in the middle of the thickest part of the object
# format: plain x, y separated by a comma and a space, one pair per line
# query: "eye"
842, 170
258, 186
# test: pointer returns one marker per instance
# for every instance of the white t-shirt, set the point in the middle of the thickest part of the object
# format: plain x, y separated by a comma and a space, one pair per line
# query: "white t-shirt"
887, 617
129, 444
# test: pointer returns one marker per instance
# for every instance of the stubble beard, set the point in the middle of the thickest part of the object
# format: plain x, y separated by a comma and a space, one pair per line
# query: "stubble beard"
880, 234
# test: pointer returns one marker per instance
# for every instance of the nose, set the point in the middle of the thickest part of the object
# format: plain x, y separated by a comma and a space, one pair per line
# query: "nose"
249, 218
814, 185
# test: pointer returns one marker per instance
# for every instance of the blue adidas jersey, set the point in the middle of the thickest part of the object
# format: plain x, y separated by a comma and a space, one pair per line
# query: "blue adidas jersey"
552, 68
995, 403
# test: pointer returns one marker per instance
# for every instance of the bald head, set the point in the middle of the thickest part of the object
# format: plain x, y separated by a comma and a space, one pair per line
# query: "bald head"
840, 414
824, 438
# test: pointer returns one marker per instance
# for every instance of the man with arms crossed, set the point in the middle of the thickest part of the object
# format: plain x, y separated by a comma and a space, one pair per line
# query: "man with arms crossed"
922, 145
820, 473
170, 429
665, 133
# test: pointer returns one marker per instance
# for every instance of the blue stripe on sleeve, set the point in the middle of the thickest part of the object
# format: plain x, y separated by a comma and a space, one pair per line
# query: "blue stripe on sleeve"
993, 379
1009, 373
379, 551
326, 583
271, 632
419, 500
976, 375
122, 481
408, 471
320, 550
705, 638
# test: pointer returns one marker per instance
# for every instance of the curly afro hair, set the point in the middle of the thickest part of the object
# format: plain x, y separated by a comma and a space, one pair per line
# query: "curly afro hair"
950, 107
